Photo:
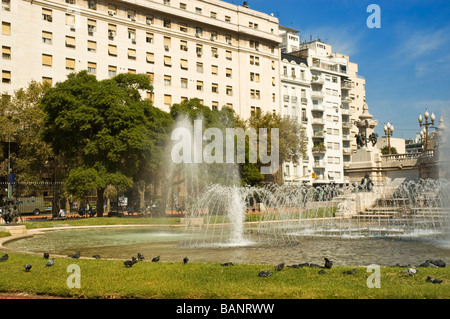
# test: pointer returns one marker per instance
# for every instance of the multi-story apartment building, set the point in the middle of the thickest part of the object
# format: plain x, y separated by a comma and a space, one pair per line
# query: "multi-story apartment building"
223, 54
331, 96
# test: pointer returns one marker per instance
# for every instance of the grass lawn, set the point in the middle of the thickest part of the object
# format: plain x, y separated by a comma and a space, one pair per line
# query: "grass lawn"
175, 280
169, 280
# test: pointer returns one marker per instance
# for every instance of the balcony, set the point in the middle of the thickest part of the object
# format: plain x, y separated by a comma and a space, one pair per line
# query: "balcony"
319, 149
346, 150
318, 134
317, 80
319, 164
317, 94
285, 98
345, 111
346, 99
317, 120
346, 124
346, 137
346, 85
318, 107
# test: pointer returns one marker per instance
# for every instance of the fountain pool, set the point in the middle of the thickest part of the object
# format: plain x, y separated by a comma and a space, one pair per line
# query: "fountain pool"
124, 242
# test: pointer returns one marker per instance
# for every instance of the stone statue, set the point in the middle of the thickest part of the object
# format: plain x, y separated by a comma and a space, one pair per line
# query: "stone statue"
373, 138
10, 210
366, 183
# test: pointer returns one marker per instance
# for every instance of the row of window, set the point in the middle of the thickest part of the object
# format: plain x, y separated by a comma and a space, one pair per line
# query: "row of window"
70, 20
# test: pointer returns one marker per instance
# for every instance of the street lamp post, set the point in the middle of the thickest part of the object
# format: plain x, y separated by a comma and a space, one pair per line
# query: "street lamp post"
426, 124
388, 131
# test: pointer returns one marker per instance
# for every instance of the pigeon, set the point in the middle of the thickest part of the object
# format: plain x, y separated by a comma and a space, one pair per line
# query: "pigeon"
295, 266
428, 264
322, 272
27, 267
134, 260
279, 267
328, 263
46, 255
4, 258
76, 255
438, 263
350, 272
410, 271
50, 262
433, 280
266, 273
227, 264
140, 256
96, 256
129, 263
185, 260
315, 265
156, 259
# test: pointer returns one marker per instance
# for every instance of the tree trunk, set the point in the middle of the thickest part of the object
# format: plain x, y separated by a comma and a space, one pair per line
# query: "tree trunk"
100, 201
140, 187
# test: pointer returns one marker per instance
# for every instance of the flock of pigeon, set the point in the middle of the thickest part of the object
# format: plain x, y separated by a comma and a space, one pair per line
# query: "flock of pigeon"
327, 265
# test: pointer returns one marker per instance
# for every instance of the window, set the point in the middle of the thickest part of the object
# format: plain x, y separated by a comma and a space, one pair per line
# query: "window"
184, 83
47, 80
92, 68
70, 64
132, 35
47, 15
112, 10
252, 94
167, 43
214, 70
183, 6
228, 39
6, 5
70, 20
213, 36
47, 60
91, 25
167, 2
198, 32
183, 45
215, 105
198, 10
184, 64
167, 80
149, 20
111, 31
132, 54
167, 23
228, 55
92, 4
47, 37
112, 50
200, 85
131, 14
132, 71
167, 100
199, 67
6, 28
6, 77
228, 73
214, 52
215, 88
167, 61
6, 53
149, 37
199, 50
70, 42
70, 1
151, 76
112, 71
227, 19
257, 94
183, 27
229, 90
150, 57
92, 46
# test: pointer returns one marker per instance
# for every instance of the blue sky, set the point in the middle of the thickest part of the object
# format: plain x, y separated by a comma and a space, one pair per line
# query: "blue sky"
406, 62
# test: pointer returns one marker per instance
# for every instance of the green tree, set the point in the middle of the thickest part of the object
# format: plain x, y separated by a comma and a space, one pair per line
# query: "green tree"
385, 150
105, 132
